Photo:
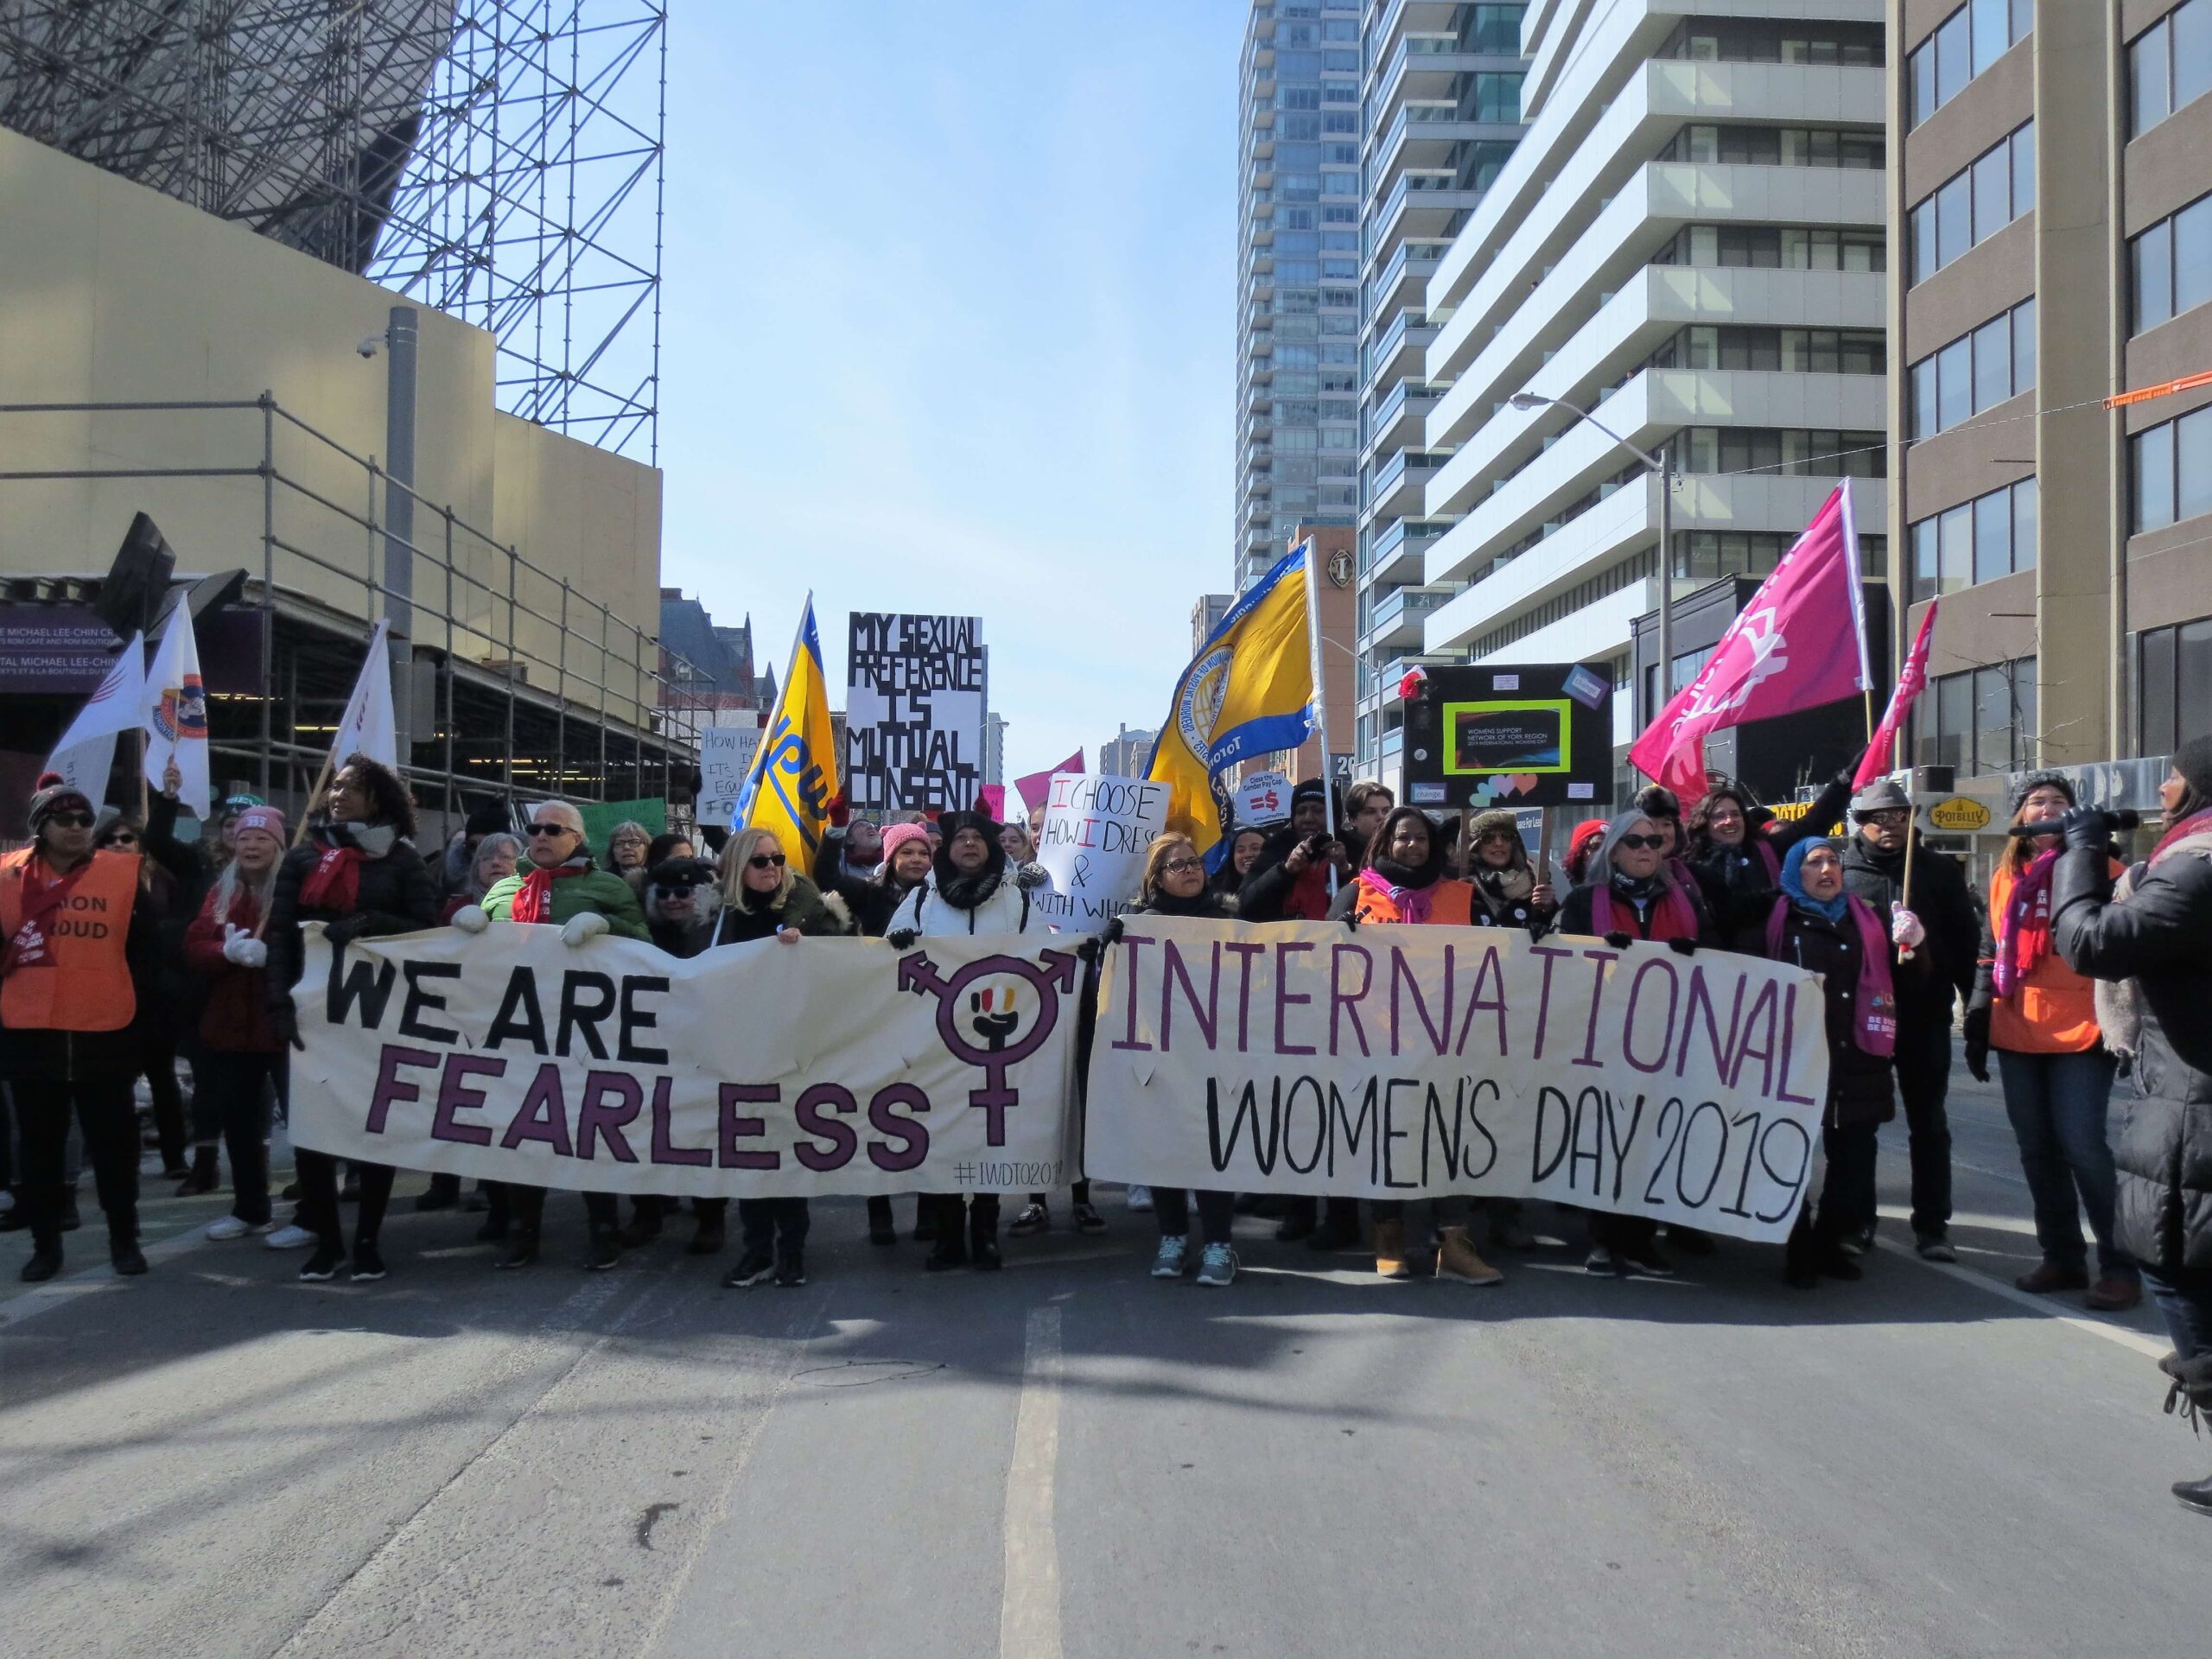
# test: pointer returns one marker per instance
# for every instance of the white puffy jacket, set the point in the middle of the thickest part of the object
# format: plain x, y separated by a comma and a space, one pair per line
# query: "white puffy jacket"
1006, 911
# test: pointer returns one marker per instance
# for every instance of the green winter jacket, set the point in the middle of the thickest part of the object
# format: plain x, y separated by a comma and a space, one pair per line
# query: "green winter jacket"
598, 892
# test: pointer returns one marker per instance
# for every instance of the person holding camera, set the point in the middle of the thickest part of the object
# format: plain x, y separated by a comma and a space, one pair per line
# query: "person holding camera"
2040, 1017
2148, 942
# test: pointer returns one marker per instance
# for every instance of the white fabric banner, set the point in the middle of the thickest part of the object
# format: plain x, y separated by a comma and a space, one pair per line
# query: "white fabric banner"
1397, 1062
174, 705
756, 1070
86, 750
368, 726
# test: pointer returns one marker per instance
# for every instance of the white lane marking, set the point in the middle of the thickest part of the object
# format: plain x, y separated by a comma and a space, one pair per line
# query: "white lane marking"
1029, 1609
60, 1292
2043, 1305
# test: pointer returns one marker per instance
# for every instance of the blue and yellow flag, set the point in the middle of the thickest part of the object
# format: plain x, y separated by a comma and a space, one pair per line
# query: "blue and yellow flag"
795, 772
1250, 692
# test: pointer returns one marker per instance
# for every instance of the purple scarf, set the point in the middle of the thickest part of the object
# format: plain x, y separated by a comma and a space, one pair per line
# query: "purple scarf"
2023, 931
1874, 1009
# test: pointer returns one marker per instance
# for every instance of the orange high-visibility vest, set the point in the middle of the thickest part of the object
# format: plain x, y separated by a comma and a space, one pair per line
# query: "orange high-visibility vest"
88, 986
1453, 905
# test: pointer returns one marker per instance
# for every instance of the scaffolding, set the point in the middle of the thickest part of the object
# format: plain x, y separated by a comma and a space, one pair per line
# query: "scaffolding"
499, 160
524, 686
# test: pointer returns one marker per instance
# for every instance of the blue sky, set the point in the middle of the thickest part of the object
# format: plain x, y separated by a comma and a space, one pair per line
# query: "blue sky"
948, 326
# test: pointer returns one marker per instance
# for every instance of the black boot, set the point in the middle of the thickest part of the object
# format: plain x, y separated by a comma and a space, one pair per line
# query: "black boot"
606, 1249
45, 1260
644, 1225
951, 1249
523, 1252
206, 1174
2194, 1494
123, 1250
442, 1194
984, 1240
924, 1219
712, 1233
881, 1229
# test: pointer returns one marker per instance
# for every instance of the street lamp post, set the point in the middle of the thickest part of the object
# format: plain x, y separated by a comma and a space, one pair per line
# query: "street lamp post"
1658, 464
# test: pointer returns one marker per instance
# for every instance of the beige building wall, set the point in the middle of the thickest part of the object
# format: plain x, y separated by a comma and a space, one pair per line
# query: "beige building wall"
112, 293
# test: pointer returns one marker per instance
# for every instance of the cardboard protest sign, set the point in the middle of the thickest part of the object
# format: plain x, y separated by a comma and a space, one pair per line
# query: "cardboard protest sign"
1262, 799
1410, 1062
914, 700
1096, 832
724, 756
755, 1070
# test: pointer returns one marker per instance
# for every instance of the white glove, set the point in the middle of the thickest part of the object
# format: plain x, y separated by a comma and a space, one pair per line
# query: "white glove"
242, 949
470, 919
1905, 931
588, 926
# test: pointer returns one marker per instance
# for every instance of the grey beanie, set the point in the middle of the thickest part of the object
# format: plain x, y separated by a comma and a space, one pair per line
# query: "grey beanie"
2029, 782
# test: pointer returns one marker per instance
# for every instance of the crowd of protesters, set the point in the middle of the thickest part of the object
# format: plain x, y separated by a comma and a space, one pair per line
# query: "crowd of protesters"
125, 948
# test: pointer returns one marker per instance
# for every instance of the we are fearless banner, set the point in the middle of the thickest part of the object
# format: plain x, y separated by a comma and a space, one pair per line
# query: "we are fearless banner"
758, 1070
1416, 1062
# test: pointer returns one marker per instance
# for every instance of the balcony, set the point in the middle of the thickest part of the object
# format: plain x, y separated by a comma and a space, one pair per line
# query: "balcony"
1398, 615
1427, 66
1399, 550
1399, 417
1398, 350
1260, 313
1395, 487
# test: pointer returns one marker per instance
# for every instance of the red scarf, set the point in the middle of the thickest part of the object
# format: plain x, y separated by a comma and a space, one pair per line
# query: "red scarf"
42, 901
1672, 918
1874, 1009
2024, 931
334, 884
535, 902
2189, 826
1308, 898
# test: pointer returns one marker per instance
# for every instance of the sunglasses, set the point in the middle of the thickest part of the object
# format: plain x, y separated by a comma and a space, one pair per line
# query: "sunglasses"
121, 838
71, 820
767, 860
1179, 866
1889, 816
537, 830
1652, 842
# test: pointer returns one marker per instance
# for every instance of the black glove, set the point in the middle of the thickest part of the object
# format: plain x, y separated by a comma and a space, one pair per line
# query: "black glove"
1113, 930
1619, 941
1086, 949
285, 1025
345, 929
1351, 917
901, 939
1682, 947
1977, 1035
2085, 826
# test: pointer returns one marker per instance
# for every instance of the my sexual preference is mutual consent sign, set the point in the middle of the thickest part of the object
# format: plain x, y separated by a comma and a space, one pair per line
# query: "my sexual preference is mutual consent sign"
757, 1070
1397, 1062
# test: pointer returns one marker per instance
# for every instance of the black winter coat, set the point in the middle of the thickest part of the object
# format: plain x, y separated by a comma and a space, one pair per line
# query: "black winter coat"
2161, 939
1576, 915
396, 895
1862, 1086
1945, 909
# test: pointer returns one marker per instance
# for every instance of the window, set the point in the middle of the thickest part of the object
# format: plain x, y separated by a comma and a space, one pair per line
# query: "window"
1492, 98
2169, 65
1762, 40
1796, 451
2173, 696
1776, 146
1795, 351
1774, 247
1975, 205
2171, 471
1964, 44
2170, 266
1982, 720
1705, 555
1974, 371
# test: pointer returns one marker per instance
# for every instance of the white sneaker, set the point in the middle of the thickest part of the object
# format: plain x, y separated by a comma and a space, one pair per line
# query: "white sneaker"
232, 1227
293, 1237
1139, 1199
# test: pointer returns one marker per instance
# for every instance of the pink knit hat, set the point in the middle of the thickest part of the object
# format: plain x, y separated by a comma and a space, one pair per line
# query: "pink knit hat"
267, 819
898, 835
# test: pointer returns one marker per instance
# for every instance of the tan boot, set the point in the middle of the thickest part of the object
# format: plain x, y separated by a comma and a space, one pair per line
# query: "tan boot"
1456, 1259
1390, 1250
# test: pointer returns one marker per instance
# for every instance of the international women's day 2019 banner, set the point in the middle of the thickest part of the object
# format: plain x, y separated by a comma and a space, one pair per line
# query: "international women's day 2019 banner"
1397, 1062
760, 1070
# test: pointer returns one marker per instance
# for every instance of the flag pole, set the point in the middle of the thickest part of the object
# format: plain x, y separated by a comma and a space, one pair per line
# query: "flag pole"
1857, 578
1321, 704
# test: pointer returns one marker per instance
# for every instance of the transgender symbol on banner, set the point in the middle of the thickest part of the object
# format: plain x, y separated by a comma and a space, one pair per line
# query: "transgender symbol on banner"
994, 1014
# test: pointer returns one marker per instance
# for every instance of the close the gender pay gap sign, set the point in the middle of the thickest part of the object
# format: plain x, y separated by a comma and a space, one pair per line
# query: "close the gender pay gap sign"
1394, 1062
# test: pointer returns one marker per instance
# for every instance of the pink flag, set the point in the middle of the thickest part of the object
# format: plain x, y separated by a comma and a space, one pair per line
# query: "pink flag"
1790, 648
1910, 684
1038, 785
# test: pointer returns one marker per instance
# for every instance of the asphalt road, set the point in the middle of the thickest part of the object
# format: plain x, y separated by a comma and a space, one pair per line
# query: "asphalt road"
1068, 1459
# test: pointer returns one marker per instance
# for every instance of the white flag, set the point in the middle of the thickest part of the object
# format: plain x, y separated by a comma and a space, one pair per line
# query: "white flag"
368, 726
176, 718
87, 748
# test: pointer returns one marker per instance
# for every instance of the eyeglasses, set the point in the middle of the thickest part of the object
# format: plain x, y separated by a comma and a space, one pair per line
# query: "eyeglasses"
1653, 842
71, 820
1888, 817
1499, 837
537, 830
1179, 866
767, 860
